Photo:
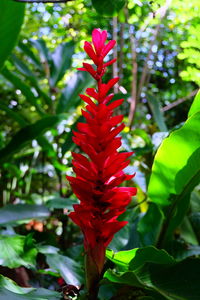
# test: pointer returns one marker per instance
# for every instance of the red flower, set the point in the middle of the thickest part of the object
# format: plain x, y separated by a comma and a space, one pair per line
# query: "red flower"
100, 171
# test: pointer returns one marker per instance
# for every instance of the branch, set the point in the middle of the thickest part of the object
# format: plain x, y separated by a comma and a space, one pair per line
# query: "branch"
115, 70
162, 12
179, 101
134, 81
121, 54
145, 71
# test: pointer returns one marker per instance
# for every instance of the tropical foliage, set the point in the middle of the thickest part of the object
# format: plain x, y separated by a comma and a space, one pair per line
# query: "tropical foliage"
156, 255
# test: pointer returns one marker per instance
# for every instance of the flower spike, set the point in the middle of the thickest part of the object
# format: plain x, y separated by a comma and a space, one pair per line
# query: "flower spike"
100, 171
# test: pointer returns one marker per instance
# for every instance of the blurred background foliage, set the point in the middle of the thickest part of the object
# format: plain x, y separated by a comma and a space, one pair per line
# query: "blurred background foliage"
158, 51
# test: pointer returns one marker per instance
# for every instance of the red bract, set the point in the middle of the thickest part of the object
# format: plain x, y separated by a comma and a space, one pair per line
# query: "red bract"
100, 171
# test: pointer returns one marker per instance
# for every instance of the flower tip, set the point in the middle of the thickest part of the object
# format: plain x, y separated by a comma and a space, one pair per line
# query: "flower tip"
81, 69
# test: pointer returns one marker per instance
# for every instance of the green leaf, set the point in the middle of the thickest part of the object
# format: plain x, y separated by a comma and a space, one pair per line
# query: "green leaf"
157, 113
61, 61
128, 278
43, 51
70, 95
135, 258
178, 281
173, 281
9, 290
11, 19
147, 227
14, 253
24, 69
175, 172
69, 144
121, 258
182, 250
195, 107
13, 213
150, 254
24, 88
25, 48
14, 115
176, 165
108, 7
59, 203
27, 134
69, 269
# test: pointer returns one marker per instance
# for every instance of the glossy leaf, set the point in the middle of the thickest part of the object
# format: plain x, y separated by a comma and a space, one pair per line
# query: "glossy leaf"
61, 61
14, 252
40, 45
176, 167
135, 258
13, 213
11, 19
27, 134
59, 203
173, 281
69, 269
121, 258
156, 111
25, 48
70, 95
128, 278
195, 107
108, 7
178, 281
148, 229
9, 290
25, 70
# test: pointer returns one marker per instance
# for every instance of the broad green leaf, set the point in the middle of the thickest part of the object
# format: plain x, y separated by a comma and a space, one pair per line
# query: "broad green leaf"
11, 19
147, 227
61, 61
27, 134
187, 232
47, 249
150, 254
59, 203
25, 48
15, 252
9, 290
175, 172
121, 258
108, 7
195, 221
176, 165
195, 107
25, 70
173, 281
156, 111
69, 269
13, 213
24, 88
182, 250
178, 281
128, 278
70, 95
43, 51
135, 258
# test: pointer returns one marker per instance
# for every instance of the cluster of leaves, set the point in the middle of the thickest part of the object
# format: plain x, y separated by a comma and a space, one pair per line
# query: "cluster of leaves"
39, 108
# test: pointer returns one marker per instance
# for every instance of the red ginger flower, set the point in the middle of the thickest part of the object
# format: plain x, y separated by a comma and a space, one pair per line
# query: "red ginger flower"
99, 173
